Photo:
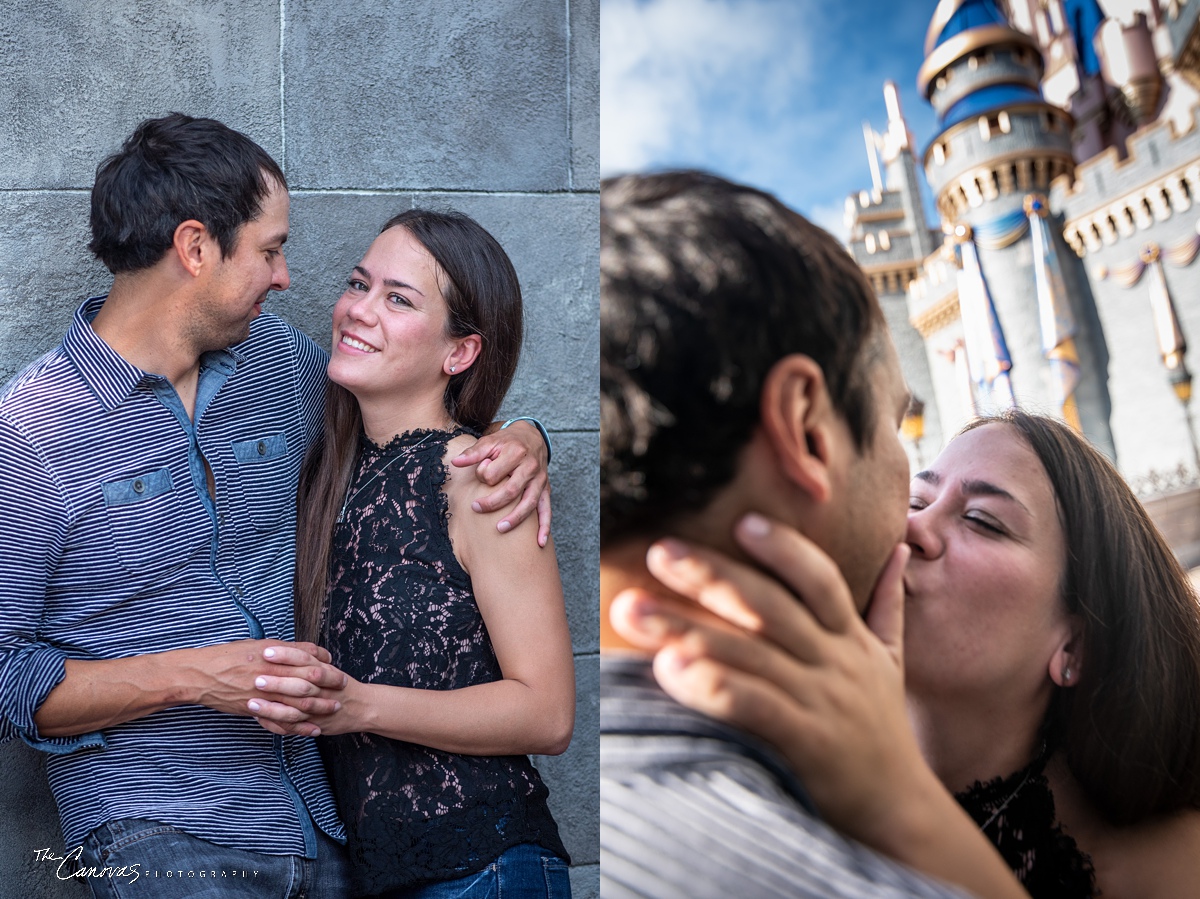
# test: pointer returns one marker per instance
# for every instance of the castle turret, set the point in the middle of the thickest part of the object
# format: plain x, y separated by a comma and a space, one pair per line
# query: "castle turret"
991, 164
889, 237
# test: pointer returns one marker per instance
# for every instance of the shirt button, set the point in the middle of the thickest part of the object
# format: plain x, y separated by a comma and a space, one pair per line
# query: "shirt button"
139, 486
262, 447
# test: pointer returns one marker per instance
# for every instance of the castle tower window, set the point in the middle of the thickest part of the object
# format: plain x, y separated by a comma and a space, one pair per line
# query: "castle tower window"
973, 63
1003, 121
869, 240
885, 241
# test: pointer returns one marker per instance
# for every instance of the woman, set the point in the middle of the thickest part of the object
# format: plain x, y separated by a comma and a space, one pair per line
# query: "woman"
453, 635
1052, 668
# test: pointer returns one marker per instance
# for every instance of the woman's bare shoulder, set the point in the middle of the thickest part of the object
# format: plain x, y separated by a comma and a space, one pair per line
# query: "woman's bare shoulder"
462, 487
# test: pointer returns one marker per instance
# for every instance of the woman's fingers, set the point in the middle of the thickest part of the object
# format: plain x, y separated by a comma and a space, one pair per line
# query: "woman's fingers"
885, 615
649, 622
802, 566
287, 717
737, 593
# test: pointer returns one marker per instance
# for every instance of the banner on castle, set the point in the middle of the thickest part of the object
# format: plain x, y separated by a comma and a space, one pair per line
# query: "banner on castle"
1054, 311
987, 352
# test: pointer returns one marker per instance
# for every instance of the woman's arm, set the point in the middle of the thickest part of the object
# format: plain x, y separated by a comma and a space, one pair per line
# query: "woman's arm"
793, 663
519, 593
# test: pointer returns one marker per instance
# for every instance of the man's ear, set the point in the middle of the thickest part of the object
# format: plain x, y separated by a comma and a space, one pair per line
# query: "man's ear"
797, 416
193, 245
1066, 664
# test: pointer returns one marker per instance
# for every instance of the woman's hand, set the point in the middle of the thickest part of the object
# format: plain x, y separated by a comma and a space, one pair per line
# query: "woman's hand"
806, 674
519, 454
791, 661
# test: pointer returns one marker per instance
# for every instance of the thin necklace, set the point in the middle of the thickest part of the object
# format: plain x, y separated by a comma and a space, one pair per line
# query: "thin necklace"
350, 496
1011, 796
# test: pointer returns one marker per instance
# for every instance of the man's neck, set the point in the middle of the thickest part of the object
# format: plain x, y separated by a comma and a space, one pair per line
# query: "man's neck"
757, 487
139, 323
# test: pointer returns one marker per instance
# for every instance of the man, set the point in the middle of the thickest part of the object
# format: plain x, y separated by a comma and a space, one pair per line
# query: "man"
148, 469
745, 365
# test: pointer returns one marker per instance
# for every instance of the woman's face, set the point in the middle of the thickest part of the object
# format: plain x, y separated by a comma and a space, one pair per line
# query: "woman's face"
983, 611
389, 327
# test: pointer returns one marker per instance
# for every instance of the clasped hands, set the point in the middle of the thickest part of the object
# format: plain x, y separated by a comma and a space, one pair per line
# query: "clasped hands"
284, 686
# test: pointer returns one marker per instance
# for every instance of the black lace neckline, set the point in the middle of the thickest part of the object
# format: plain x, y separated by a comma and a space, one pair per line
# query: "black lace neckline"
1017, 814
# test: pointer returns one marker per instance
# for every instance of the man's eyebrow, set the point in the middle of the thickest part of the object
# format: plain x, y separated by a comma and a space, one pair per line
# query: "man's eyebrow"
929, 477
279, 238
389, 282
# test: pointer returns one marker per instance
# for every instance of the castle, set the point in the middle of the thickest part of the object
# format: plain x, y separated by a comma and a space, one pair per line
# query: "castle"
1061, 276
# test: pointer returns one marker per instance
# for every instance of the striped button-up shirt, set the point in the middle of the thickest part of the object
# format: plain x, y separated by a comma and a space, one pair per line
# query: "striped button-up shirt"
113, 547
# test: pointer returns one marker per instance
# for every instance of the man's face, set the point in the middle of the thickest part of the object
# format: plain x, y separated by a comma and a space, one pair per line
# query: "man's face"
241, 281
876, 495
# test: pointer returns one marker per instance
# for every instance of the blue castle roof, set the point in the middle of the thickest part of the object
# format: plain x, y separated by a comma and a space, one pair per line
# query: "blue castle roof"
970, 14
986, 99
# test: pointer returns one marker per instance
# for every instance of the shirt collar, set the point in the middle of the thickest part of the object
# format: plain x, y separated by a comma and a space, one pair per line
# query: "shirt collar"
106, 373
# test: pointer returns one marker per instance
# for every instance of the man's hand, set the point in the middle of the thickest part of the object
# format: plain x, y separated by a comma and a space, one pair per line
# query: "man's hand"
516, 453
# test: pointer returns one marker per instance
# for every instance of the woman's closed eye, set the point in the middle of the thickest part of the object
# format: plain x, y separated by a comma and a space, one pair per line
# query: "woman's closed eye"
985, 522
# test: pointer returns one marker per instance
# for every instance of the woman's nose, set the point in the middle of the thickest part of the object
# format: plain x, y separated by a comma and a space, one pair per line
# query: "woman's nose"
923, 535
362, 308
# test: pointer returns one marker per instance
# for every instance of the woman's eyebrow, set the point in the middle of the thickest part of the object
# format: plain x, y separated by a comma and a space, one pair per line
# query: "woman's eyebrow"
389, 282
974, 487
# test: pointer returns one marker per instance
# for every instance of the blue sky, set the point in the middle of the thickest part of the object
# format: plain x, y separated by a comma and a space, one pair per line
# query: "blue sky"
769, 92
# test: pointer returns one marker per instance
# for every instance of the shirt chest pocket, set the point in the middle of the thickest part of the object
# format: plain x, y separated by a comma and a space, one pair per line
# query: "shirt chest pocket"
267, 477
151, 530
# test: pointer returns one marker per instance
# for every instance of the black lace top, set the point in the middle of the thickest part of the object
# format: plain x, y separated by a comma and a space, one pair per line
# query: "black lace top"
1017, 814
401, 612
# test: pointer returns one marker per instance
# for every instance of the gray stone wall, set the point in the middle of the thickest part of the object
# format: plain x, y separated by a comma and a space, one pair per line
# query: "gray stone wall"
371, 106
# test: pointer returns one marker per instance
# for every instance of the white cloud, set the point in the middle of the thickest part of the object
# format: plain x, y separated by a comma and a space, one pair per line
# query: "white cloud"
662, 61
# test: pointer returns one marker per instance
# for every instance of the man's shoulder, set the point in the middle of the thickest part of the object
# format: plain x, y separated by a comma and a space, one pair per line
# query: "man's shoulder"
276, 347
688, 809
269, 329
43, 380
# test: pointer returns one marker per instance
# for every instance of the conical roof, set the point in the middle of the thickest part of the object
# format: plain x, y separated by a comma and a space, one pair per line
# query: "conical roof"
962, 27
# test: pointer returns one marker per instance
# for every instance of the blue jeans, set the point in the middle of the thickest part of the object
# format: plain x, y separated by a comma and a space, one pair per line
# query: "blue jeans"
523, 872
157, 861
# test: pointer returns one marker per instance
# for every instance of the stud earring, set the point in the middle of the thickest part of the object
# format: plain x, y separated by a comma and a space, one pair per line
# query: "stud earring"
452, 367
1066, 676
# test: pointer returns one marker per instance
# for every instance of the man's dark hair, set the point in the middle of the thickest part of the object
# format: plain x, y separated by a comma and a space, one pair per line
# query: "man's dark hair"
170, 170
704, 286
